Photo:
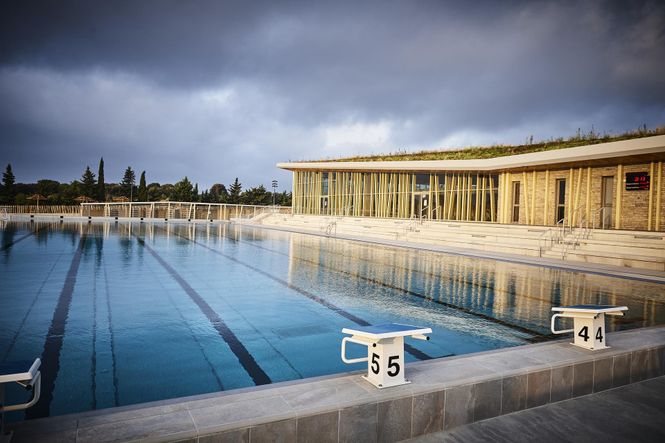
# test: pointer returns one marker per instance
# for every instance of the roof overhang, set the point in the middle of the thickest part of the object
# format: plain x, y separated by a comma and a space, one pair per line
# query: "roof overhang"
640, 149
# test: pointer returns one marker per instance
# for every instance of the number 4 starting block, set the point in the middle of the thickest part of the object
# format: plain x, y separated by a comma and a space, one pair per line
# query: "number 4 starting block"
588, 323
385, 351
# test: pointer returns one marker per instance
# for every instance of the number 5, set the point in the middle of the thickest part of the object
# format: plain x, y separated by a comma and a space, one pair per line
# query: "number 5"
375, 363
392, 364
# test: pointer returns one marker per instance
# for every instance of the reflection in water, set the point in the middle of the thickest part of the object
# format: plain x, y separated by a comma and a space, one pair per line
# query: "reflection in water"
518, 294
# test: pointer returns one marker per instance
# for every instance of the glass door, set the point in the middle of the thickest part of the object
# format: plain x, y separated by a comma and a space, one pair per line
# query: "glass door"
560, 200
607, 202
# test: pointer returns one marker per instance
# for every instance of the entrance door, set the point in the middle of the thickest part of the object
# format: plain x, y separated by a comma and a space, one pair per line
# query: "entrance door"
420, 204
560, 200
607, 202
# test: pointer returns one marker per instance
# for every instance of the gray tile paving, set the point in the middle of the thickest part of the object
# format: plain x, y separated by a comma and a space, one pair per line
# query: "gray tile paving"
629, 413
444, 394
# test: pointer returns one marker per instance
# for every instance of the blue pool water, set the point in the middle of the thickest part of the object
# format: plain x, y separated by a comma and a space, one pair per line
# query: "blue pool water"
128, 313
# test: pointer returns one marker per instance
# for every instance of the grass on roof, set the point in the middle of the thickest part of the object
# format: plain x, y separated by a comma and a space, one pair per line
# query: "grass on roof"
579, 139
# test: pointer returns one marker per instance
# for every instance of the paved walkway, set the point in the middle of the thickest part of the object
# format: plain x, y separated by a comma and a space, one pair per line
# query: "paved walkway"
630, 413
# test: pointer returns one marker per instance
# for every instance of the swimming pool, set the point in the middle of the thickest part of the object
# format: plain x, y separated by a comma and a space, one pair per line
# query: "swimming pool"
123, 313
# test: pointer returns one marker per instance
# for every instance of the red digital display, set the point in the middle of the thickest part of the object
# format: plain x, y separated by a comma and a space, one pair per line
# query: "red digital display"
637, 181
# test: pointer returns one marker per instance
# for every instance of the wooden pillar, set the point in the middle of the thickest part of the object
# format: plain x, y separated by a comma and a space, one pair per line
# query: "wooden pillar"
650, 197
533, 199
492, 202
569, 201
588, 195
578, 189
617, 206
546, 198
527, 213
658, 194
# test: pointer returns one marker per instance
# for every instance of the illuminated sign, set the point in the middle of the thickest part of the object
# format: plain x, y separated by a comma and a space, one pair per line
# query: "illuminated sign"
637, 181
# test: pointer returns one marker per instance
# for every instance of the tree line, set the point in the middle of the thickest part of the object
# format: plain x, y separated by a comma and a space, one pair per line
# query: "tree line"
92, 187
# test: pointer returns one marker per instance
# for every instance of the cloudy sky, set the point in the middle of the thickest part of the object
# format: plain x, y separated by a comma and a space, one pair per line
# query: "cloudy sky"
218, 89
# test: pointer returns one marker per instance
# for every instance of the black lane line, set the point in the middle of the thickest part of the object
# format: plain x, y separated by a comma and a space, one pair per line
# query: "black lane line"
55, 337
116, 397
244, 357
537, 336
20, 239
93, 366
420, 355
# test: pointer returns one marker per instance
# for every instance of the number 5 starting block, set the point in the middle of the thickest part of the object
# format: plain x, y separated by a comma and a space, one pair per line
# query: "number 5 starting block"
588, 323
385, 351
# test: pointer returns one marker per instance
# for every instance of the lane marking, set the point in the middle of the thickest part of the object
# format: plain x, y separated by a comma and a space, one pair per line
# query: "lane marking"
55, 336
246, 359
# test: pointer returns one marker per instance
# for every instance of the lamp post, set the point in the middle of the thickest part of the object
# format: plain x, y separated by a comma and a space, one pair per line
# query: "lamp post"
274, 186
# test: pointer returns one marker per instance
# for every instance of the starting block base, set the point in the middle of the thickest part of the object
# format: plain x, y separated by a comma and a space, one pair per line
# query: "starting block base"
588, 324
385, 351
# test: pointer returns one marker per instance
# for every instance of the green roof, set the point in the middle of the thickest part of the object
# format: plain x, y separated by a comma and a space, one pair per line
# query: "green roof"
504, 150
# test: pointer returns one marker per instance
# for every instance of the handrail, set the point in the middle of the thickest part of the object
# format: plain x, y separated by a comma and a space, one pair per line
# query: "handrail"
330, 227
600, 211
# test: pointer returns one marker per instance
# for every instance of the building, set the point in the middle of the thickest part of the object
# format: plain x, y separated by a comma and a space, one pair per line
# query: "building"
616, 185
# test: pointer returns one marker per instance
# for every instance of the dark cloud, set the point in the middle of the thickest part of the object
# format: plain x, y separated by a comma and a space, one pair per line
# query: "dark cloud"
198, 88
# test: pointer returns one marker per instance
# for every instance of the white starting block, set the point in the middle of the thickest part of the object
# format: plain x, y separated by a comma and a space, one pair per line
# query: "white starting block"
588, 323
26, 374
385, 351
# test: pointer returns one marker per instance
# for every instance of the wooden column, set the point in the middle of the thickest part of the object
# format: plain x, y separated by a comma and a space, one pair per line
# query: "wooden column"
658, 194
617, 206
650, 197
546, 198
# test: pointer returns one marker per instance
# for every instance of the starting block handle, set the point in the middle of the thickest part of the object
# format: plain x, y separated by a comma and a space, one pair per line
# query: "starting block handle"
561, 331
36, 384
420, 337
357, 341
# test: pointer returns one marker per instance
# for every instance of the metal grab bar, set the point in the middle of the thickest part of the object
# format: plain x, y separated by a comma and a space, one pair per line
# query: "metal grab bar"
357, 341
560, 331
36, 386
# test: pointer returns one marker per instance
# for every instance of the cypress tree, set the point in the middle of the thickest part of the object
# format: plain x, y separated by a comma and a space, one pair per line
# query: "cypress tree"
143, 189
101, 186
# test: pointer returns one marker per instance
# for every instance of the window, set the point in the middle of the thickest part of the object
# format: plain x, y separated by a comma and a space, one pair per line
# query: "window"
422, 182
324, 187
516, 202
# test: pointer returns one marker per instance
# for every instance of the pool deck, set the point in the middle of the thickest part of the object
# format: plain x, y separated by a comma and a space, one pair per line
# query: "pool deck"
630, 413
444, 394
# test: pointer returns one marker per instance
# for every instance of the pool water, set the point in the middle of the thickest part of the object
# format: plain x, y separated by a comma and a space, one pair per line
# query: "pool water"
125, 313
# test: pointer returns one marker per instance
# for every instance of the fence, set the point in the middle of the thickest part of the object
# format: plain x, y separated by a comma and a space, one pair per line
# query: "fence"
179, 210
43, 209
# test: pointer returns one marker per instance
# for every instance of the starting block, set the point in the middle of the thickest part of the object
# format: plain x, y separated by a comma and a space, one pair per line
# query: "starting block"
385, 351
26, 374
588, 323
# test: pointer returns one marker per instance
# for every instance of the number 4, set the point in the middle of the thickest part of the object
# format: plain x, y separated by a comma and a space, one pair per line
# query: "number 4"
584, 333
599, 335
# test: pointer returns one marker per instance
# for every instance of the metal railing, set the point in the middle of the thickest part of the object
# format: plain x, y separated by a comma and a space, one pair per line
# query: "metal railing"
178, 210
42, 209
